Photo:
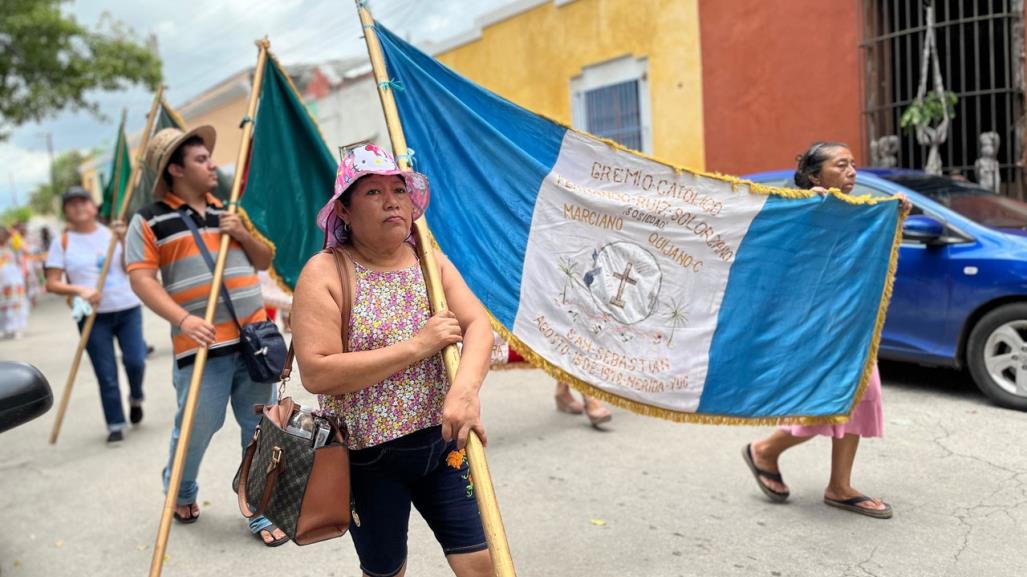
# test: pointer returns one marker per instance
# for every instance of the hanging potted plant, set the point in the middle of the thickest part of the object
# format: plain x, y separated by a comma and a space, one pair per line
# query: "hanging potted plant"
930, 113
929, 110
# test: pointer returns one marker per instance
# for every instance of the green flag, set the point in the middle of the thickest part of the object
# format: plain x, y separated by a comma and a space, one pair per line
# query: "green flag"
167, 117
291, 175
120, 171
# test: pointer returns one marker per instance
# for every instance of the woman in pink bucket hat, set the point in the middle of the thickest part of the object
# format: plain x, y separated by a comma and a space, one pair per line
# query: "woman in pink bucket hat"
368, 345
360, 161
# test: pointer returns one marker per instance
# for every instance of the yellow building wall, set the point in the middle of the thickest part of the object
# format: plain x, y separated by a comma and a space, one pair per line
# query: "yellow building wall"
225, 121
90, 180
531, 58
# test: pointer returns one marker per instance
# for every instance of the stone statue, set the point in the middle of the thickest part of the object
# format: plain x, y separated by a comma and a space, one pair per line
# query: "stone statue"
987, 168
884, 151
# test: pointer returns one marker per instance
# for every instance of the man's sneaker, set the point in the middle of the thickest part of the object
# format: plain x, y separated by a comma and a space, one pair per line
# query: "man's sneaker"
135, 414
115, 437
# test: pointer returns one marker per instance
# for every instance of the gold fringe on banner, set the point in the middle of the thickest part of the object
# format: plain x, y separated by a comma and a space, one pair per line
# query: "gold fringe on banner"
510, 367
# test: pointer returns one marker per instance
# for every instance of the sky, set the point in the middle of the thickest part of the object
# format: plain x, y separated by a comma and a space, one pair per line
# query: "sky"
205, 41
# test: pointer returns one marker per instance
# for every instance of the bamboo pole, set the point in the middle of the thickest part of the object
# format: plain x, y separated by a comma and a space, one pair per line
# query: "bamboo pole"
491, 520
87, 328
189, 411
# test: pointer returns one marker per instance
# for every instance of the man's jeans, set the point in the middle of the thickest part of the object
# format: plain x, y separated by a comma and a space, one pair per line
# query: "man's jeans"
127, 326
225, 380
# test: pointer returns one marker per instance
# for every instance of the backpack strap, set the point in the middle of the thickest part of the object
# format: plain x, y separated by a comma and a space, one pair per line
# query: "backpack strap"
64, 249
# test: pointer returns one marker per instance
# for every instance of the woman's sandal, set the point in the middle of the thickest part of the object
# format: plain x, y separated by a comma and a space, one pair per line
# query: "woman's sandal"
852, 505
571, 407
775, 496
602, 415
266, 525
194, 514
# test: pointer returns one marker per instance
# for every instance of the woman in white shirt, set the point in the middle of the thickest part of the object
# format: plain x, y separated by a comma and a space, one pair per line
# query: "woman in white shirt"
73, 268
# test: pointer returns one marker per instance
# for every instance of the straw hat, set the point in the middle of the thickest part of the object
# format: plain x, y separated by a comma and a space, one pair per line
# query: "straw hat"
164, 144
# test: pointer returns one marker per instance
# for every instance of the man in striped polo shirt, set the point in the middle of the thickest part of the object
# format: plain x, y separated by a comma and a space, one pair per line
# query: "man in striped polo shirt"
160, 240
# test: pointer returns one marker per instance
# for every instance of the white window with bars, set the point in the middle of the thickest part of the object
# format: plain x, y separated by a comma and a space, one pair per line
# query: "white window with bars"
611, 100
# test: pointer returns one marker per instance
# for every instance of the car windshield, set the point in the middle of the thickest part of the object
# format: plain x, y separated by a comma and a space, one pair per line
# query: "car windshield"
968, 199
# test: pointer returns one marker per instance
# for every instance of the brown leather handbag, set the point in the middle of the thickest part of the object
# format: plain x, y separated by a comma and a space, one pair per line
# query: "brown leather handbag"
303, 490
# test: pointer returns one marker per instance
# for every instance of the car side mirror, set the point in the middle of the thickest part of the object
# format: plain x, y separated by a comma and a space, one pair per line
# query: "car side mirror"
24, 394
922, 228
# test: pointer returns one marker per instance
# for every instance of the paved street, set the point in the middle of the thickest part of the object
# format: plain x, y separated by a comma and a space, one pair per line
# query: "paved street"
647, 497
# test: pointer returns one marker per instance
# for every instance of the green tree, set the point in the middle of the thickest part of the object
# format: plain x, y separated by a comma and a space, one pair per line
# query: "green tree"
17, 214
65, 174
49, 62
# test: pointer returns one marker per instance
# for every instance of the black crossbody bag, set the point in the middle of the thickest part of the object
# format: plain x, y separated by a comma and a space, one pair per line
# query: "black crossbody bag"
263, 347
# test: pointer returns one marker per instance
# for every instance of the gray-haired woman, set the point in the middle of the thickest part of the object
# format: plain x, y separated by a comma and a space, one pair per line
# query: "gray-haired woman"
826, 165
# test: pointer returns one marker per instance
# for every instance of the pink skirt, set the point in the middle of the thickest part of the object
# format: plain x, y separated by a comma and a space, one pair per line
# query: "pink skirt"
866, 421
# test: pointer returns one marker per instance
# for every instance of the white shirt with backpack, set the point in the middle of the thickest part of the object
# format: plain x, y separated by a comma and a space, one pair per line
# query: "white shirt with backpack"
80, 256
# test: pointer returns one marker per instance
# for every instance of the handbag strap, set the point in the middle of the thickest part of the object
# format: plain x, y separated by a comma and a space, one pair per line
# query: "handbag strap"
345, 304
274, 468
202, 246
345, 292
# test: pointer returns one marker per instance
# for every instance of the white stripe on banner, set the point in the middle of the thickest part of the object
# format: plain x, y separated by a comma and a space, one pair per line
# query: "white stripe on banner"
626, 266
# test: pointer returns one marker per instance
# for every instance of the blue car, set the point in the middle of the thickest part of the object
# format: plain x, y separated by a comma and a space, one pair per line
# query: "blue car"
960, 296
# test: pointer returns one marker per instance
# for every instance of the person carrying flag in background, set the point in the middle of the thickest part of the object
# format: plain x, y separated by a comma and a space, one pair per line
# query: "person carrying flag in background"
159, 239
826, 165
73, 267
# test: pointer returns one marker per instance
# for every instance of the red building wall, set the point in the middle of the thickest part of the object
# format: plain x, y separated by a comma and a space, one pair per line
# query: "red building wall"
778, 75
317, 88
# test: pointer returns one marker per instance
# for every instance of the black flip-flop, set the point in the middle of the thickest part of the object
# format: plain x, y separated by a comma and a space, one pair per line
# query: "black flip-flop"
191, 518
270, 531
852, 505
775, 496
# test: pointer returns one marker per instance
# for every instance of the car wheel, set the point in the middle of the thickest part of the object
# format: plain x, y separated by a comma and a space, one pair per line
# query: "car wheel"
997, 355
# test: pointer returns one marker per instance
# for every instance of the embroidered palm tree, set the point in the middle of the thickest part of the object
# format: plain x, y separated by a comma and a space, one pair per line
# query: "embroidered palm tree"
569, 270
677, 318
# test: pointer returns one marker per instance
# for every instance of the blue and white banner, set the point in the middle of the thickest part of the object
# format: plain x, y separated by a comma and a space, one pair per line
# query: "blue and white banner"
690, 296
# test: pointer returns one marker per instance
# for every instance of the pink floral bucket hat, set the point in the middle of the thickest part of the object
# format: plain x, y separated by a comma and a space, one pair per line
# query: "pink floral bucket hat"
361, 161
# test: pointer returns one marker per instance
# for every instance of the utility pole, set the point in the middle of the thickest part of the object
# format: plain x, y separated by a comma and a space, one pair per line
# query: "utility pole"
53, 179
49, 148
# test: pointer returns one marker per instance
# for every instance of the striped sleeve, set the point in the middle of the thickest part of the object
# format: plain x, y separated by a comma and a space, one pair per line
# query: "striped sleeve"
140, 246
